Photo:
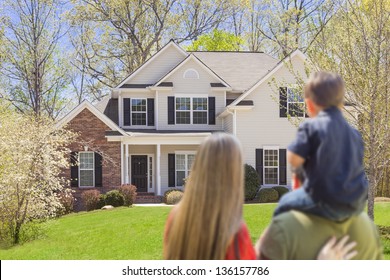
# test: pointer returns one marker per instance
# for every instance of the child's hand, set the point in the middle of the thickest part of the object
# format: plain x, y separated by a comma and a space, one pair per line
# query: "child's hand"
337, 251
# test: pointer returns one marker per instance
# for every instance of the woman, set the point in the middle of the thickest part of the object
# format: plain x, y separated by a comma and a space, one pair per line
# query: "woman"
207, 224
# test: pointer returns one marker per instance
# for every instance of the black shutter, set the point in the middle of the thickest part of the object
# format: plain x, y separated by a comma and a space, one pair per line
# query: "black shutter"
211, 110
171, 110
171, 170
98, 170
74, 169
259, 164
150, 111
283, 102
126, 112
282, 167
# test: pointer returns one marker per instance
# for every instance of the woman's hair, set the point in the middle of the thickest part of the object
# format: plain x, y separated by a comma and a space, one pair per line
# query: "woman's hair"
210, 212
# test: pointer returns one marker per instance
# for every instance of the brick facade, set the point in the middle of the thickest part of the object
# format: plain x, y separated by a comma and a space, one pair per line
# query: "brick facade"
91, 133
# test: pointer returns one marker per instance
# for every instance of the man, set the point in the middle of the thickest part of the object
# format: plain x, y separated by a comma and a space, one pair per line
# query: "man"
295, 235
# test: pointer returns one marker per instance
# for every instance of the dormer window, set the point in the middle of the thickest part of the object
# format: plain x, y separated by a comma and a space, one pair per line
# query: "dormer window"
191, 74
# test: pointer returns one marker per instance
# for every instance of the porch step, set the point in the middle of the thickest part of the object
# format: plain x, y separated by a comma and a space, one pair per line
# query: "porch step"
145, 193
148, 198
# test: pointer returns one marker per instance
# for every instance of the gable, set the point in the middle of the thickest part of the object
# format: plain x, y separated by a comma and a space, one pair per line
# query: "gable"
184, 78
86, 120
86, 106
156, 67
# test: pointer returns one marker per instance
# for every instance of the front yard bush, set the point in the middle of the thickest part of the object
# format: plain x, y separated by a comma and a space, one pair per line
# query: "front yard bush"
252, 182
168, 192
91, 199
281, 190
67, 201
114, 198
173, 196
267, 195
129, 193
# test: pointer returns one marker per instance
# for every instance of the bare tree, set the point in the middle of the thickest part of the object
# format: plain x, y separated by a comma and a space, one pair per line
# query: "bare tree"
285, 25
33, 72
119, 36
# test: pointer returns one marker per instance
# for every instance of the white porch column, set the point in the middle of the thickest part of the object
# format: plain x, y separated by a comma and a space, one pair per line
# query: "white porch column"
158, 175
122, 166
127, 164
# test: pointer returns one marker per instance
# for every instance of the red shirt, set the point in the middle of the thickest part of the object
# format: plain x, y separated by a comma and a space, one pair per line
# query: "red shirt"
241, 247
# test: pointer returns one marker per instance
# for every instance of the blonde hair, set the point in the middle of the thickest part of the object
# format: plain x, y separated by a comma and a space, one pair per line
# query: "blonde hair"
325, 89
210, 212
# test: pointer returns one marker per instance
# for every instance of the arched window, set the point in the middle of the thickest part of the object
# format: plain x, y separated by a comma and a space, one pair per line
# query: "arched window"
191, 74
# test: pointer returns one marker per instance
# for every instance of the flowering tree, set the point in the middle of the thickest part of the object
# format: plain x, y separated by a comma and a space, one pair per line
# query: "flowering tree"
32, 156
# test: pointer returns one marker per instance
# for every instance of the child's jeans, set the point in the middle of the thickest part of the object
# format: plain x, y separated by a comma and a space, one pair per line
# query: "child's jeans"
300, 200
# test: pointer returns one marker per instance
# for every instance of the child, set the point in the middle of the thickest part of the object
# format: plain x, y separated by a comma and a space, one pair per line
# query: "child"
331, 153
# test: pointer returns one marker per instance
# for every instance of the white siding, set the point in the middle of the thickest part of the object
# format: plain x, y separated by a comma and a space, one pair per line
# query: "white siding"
228, 124
262, 126
191, 88
159, 67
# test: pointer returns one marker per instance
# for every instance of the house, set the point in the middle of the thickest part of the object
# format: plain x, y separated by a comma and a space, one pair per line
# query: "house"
147, 131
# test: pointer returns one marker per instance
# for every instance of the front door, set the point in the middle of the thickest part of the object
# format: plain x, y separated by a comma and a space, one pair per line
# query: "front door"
139, 172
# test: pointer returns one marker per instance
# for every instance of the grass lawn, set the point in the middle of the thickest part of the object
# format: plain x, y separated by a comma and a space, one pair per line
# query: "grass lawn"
131, 233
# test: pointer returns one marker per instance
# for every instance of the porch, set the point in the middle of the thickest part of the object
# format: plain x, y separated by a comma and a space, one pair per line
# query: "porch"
154, 162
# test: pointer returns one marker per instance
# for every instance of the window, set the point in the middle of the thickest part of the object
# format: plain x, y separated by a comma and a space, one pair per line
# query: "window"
194, 109
191, 74
183, 110
295, 102
271, 166
183, 167
199, 107
87, 166
138, 111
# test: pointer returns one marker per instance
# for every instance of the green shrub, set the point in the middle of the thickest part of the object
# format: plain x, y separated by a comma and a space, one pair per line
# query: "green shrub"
90, 199
252, 182
129, 193
174, 197
281, 190
267, 195
101, 202
114, 198
168, 192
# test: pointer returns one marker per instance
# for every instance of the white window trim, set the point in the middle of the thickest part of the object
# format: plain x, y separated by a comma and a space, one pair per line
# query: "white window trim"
264, 166
189, 70
186, 153
146, 112
93, 169
294, 86
191, 97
